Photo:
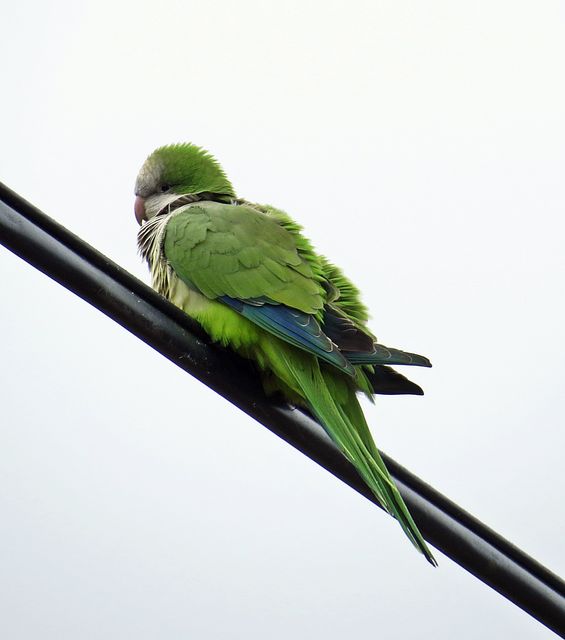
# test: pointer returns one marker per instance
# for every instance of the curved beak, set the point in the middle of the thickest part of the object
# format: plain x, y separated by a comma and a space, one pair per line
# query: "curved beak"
139, 208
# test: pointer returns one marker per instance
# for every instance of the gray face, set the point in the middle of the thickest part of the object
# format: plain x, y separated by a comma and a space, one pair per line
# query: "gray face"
152, 196
148, 180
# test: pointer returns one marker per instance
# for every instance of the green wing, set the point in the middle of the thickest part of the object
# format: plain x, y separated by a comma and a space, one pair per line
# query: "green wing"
246, 260
236, 251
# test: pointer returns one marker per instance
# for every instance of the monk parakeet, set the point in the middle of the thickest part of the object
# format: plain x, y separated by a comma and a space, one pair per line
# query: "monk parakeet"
248, 275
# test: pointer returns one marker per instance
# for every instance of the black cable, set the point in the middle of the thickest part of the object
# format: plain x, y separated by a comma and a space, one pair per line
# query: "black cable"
77, 266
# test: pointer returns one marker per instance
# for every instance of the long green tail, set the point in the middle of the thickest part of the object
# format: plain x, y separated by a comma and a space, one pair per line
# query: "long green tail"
347, 427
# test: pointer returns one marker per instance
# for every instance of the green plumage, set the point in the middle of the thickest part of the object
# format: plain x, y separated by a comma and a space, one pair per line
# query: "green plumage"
247, 274
239, 252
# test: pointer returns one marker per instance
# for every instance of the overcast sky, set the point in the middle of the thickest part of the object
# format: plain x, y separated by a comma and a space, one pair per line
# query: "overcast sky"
422, 146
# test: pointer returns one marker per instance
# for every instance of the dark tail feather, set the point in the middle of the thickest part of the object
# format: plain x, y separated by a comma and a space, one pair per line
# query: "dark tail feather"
388, 382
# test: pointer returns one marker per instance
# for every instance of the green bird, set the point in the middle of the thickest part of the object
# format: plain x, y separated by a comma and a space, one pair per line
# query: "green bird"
249, 277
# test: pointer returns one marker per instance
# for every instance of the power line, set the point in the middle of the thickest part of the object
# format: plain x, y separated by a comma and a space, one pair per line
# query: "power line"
63, 256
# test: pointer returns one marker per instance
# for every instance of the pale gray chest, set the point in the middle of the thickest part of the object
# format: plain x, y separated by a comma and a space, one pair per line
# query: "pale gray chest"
150, 238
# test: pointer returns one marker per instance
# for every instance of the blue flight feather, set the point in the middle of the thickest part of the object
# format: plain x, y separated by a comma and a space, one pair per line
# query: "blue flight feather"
299, 329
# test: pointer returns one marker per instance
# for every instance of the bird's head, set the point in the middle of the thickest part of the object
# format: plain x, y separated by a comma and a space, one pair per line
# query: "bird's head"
175, 175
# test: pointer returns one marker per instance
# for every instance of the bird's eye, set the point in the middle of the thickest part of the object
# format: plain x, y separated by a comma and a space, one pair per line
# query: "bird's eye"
165, 187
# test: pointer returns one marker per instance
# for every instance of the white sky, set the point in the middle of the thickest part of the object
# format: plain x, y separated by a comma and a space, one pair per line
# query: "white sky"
422, 146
